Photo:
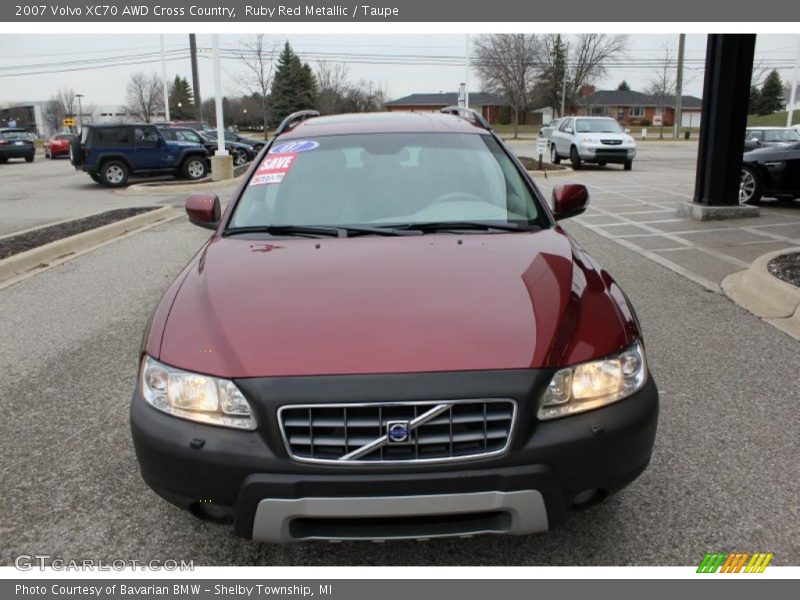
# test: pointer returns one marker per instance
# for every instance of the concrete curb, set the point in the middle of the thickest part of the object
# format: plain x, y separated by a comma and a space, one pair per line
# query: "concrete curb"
168, 188
20, 266
551, 174
766, 296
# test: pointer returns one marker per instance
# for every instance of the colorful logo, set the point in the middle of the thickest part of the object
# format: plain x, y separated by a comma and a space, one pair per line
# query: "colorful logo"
735, 562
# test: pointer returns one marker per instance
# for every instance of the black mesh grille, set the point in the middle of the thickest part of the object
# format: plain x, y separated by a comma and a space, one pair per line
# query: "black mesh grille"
458, 430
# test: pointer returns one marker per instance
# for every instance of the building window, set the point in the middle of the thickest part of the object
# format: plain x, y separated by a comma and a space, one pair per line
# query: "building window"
598, 111
635, 112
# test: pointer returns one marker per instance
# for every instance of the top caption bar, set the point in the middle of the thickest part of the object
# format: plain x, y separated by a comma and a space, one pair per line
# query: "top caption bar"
471, 11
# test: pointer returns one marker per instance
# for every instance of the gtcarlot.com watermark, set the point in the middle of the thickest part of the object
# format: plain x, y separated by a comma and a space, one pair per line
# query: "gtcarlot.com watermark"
42, 562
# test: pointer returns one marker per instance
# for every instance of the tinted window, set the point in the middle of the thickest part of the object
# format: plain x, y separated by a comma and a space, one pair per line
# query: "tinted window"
187, 135
597, 126
565, 124
754, 134
16, 135
111, 136
388, 178
780, 135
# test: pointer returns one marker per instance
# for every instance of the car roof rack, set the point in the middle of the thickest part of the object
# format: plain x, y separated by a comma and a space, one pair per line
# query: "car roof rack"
470, 115
294, 118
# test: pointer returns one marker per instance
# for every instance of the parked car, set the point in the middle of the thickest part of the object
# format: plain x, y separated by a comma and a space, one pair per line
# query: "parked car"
758, 137
598, 140
58, 145
389, 335
232, 135
241, 153
111, 153
773, 172
16, 143
547, 130
195, 125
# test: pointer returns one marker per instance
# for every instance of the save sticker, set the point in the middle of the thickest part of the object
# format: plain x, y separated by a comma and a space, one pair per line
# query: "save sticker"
273, 168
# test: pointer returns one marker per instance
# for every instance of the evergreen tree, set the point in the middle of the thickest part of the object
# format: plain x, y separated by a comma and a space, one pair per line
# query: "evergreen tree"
771, 100
181, 99
294, 86
554, 75
623, 86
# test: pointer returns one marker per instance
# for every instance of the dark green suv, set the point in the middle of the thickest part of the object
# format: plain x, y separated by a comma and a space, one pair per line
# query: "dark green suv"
111, 153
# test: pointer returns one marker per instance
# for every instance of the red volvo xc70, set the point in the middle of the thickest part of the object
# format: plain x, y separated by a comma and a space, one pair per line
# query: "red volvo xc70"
389, 336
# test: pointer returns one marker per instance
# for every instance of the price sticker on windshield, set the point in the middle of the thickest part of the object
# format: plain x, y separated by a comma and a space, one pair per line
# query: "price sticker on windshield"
273, 168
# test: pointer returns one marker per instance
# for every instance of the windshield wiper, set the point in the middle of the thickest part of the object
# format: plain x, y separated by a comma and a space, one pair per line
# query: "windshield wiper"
435, 226
313, 230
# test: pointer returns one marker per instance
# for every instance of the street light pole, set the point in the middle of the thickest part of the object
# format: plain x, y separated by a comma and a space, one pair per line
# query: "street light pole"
80, 113
676, 126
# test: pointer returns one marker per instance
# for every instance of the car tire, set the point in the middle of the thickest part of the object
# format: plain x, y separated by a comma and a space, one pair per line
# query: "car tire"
576, 161
751, 189
239, 157
29, 159
554, 157
114, 173
75, 156
96, 177
602, 163
628, 165
3, 160
194, 168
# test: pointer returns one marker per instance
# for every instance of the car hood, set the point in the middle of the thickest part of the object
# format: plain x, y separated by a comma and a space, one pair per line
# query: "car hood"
249, 308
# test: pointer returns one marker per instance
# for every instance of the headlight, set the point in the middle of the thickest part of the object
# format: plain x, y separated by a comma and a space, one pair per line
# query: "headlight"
594, 384
591, 140
194, 397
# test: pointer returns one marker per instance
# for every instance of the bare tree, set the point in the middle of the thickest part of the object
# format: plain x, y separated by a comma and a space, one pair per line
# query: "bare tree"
332, 86
60, 106
584, 60
663, 85
507, 65
144, 95
257, 55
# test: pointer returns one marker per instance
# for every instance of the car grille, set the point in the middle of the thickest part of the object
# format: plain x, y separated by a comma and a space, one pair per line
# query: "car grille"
611, 153
436, 431
611, 142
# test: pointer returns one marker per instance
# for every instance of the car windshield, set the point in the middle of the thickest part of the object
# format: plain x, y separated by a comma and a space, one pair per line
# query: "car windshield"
781, 135
395, 178
597, 126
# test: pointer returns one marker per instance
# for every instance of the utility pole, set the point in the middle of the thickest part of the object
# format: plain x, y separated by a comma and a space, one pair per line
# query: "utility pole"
564, 81
676, 126
466, 75
198, 104
80, 113
793, 93
164, 78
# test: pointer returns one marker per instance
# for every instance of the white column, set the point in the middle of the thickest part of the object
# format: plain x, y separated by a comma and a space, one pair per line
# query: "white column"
164, 78
793, 93
221, 151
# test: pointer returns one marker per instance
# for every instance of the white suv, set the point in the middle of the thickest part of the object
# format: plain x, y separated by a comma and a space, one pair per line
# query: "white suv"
598, 140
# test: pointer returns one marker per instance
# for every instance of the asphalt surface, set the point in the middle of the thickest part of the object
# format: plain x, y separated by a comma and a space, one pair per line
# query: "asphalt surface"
724, 475
45, 191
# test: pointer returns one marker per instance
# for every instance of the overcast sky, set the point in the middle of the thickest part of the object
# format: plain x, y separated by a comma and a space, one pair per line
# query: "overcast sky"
430, 62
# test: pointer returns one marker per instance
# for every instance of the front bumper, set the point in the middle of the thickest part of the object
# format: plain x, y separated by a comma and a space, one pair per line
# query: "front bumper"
610, 154
248, 477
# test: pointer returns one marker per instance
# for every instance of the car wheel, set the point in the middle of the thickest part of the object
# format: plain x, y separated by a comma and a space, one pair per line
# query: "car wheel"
239, 157
554, 157
194, 168
602, 163
30, 158
576, 161
628, 165
95, 177
114, 173
3, 160
750, 186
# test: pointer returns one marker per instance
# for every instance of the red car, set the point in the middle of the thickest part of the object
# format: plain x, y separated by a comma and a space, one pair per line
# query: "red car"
58, 145
389, 335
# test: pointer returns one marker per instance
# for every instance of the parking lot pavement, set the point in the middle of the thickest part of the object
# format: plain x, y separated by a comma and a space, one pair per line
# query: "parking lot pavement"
723, 475
45, 191
637, 210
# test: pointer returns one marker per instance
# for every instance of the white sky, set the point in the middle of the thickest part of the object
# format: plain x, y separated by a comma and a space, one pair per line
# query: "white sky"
107, 85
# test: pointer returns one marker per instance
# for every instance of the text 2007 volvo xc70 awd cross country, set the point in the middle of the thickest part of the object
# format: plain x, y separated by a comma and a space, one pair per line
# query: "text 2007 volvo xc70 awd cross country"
389, 336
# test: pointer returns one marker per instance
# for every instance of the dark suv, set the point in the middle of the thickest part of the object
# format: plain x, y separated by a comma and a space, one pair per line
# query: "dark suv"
111, 153
389, 335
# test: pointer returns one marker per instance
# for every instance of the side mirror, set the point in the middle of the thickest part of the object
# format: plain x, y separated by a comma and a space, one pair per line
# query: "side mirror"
204, 210
627, 131
569, 200
569, 130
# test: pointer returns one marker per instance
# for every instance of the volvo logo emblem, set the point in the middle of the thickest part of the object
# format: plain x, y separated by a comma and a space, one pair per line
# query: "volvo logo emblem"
397, 432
